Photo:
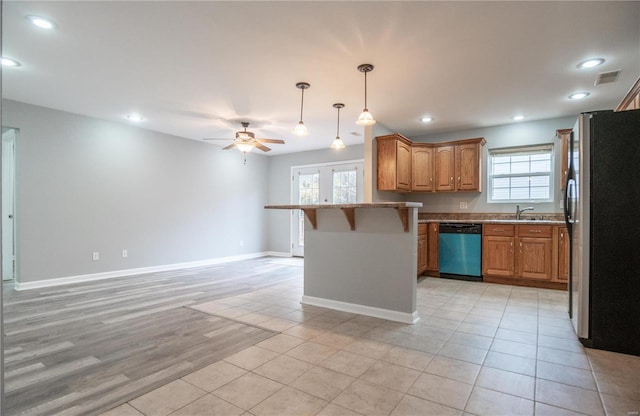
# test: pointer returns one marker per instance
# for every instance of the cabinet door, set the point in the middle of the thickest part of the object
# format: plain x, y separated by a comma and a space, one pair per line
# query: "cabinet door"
403, 166
534, 258
467, 167
564, 135
433, 247
422, 253
422, 167
498, 256
563, 254
444, 168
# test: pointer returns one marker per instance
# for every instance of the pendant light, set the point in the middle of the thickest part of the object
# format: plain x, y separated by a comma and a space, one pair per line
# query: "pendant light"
338, 143
301, 129
365, 119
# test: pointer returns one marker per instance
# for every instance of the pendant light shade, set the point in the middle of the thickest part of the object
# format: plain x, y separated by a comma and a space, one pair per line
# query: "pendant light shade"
365, 119
301, 129
337, 142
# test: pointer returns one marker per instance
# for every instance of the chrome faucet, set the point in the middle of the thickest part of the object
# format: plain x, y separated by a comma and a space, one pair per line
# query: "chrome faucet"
520, 211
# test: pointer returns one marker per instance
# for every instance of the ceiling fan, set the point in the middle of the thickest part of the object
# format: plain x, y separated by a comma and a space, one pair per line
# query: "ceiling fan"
245, 141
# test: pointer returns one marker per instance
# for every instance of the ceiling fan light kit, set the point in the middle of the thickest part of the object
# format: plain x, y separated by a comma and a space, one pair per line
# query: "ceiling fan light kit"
337, 142
301, 129
365, 119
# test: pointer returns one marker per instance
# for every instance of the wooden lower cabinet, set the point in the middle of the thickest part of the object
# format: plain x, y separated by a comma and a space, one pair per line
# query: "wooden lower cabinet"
525, 255
534, 258
498, 257
422, 247
563, 254
428, 236
433, 249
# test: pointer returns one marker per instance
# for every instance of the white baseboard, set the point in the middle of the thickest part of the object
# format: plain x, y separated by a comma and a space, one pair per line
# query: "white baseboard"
129, 272
277, 254
404, 317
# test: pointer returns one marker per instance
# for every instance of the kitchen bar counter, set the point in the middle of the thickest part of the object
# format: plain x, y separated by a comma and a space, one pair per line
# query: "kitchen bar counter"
310, 211
366, 264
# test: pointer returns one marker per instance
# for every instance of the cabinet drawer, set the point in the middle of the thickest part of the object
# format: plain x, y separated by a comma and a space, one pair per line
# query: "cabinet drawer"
499, 229
534, 231
423, 228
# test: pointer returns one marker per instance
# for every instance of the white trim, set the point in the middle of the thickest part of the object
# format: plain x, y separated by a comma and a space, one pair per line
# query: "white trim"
404, 317
313, 165
129, 272
277, 254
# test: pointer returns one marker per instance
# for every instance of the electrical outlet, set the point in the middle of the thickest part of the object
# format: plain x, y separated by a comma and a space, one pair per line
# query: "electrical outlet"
464, 205
125, 253
96, 255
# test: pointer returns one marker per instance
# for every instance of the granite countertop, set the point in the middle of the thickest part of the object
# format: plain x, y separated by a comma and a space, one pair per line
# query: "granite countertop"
361, 205
526, 221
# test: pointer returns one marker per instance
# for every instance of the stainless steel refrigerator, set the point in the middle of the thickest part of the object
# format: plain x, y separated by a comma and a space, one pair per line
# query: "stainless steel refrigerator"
602, 211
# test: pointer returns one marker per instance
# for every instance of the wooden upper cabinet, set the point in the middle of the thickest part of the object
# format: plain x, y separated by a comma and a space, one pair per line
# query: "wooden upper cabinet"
445, 168
631, 101
564, 135
428, 167
394, 163
422, 167
468, 167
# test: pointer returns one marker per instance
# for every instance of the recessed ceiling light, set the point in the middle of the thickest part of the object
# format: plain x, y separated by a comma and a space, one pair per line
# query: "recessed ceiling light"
578, 95
10, 62
134, 117
41, 22
590, 63
426, 119
519, 117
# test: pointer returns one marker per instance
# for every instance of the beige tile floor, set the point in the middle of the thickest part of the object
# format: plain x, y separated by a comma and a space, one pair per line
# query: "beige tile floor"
479, 349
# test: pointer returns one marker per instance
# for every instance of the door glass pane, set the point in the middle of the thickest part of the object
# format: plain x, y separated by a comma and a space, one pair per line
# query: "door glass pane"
344, 187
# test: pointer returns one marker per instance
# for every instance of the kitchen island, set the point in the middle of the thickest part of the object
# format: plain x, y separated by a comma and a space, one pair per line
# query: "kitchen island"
361, 258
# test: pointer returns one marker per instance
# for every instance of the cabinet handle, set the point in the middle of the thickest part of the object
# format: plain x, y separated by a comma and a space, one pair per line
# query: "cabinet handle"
535, 231
499, 230
459, 181
561, 235
431, 180
451, 181
520, 247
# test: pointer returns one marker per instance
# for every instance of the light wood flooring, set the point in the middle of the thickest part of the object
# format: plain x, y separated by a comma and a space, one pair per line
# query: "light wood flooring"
81, 349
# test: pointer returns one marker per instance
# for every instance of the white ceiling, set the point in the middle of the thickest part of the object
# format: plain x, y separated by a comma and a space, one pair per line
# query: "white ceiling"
196, 69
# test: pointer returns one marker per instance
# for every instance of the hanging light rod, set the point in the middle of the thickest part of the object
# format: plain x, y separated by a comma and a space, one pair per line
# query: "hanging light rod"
337, 142
301, 129
365, 119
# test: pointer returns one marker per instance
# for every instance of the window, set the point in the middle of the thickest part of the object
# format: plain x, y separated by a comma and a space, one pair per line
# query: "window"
521, 174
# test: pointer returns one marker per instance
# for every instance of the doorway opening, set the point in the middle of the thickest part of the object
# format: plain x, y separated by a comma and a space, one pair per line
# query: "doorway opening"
327, 183
8, 203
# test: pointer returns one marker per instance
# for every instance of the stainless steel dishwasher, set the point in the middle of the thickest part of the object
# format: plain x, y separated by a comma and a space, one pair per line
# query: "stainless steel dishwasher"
461, 251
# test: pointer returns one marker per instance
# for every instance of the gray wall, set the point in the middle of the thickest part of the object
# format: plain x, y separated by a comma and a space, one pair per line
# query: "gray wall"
85, 185
509, 135
280, 188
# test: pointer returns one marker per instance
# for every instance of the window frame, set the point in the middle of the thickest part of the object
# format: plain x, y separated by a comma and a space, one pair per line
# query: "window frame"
522, 150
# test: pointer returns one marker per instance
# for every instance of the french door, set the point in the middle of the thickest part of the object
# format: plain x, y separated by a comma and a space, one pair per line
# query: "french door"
336, 183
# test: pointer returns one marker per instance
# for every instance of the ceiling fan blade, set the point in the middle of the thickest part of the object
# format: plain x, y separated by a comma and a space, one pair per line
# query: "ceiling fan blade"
278, 141
209, 138
262, 147
231, 146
